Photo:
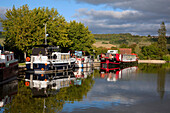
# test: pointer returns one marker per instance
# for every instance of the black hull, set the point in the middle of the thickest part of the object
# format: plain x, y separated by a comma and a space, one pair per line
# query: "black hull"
53, 68
9, 73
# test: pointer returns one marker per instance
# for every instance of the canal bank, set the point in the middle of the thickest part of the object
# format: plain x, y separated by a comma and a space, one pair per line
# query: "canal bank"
152, 61
97, 63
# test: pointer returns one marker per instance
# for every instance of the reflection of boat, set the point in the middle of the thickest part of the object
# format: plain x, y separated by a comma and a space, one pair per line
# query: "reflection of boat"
116, 74
81, 60
8, 66
39, 83
82, 72
7, 92
47, 59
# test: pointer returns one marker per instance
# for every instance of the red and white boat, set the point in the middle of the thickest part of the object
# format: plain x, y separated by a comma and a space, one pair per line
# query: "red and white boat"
8, 66
112, 60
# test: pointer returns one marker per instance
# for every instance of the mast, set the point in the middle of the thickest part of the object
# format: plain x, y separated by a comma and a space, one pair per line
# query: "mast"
45, 34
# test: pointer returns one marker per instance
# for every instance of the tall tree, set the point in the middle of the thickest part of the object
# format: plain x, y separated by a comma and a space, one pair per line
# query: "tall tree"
162, 41
81, 37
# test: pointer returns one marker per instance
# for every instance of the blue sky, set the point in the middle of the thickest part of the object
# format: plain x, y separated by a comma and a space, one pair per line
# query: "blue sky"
67, 8
139, 17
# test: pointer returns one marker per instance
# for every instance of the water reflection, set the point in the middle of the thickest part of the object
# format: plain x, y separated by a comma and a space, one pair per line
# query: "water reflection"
40, 83
161, 82
49, 92
119, 73
134, 88
7, 93
121, 90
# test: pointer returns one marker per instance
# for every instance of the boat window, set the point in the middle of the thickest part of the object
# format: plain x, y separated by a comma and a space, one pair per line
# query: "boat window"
110, 66
67, 57
2, 65
11, 57
35, 65
62, 57
55, 56
104, 66
7, 58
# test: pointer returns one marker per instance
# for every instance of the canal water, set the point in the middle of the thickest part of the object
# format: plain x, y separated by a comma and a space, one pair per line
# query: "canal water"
144, 88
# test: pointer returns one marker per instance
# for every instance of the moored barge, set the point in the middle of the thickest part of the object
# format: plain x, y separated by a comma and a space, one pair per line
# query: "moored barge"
8, 66
47, 59
112, 60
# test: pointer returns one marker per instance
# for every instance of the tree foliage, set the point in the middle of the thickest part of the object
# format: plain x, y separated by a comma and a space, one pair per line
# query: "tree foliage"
81, 37
151, 51
162, 41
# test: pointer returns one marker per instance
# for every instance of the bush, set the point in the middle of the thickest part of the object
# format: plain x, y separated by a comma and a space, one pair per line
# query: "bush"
104, 43
166, 57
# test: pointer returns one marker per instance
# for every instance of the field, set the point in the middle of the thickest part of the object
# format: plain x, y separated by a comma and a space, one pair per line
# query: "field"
109, 40
103, 44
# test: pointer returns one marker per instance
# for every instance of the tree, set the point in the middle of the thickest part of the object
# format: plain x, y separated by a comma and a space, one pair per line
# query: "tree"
23, 28
162, 40
81, 37
151, 51
123, 46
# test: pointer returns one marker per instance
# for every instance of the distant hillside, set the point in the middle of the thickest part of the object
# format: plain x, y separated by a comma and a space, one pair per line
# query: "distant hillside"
127, 38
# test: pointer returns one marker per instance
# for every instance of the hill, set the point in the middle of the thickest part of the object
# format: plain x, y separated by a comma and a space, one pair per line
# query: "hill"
126, 38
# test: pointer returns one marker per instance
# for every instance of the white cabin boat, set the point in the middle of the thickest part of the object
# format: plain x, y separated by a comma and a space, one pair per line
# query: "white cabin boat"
83, 61
8, 66
48, 59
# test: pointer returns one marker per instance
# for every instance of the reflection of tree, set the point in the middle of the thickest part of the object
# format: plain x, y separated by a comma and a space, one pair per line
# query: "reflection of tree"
96, 73
74, 92
24, 102
161, 70
161, 81
149, 68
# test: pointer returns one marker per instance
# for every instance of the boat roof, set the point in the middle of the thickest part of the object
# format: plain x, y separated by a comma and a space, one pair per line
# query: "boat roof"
44, 49
37, 51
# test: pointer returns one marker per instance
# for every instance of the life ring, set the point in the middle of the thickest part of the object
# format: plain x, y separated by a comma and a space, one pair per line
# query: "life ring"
78, 59
27, 83
28, 59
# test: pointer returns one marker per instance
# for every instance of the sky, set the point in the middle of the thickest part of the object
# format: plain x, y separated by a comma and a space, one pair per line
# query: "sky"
138, 17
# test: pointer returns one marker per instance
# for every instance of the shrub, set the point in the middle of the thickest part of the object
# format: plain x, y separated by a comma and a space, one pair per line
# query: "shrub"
166, 57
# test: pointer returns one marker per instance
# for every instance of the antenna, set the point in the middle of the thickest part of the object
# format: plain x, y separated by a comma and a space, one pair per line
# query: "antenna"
45, 34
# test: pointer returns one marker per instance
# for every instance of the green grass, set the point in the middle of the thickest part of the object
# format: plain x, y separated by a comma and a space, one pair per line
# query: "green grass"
21, 64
